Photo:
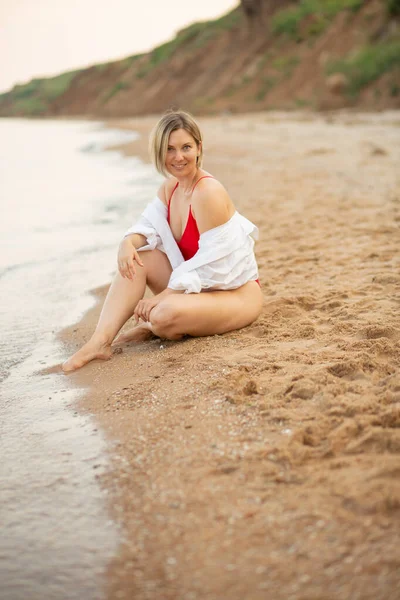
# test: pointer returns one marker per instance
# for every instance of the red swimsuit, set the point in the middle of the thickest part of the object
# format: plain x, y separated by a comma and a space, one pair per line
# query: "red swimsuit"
189, 242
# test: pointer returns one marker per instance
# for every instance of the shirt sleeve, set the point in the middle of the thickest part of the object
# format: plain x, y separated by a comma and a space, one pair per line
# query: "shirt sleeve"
144, 226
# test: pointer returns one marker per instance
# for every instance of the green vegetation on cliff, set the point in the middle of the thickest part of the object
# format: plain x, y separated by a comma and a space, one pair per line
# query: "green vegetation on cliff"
367, 64
197, 34
276, 57
319, 12
35, 97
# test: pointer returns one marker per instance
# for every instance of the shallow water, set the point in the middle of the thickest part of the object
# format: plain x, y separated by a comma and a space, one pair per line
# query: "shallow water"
64, 205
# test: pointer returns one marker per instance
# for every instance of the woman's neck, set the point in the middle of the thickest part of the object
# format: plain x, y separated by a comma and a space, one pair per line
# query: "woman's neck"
186, 183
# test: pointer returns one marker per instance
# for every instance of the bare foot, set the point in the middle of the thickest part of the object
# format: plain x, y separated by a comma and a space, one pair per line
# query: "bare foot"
91, 350
140, 333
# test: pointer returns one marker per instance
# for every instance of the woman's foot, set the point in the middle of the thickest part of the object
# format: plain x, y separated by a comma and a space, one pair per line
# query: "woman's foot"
140, 333
90, 351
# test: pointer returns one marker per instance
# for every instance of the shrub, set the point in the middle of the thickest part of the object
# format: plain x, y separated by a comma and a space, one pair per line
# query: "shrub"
288, 21
393, 7
367, 65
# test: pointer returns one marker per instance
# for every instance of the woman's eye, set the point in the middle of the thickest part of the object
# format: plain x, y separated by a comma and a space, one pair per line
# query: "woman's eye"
186, 147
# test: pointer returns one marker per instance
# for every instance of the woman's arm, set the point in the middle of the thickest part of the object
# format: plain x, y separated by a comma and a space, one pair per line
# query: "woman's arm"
211, 205
127, 252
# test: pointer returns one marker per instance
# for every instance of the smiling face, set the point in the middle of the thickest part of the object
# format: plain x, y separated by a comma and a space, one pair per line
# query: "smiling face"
182, 153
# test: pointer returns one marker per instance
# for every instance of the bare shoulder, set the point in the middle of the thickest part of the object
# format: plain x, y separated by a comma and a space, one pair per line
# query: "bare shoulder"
165, 190
211, 204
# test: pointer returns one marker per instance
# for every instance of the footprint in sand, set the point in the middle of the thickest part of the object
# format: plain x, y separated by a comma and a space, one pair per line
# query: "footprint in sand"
376, 440
304, 389
373, 332
349, 370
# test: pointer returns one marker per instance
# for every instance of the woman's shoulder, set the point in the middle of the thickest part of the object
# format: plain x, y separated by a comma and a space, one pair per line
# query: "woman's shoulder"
166, 189
209, 191
211, 204
207, 182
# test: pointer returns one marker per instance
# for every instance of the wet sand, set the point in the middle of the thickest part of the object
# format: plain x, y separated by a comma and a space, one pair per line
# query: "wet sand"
264, 463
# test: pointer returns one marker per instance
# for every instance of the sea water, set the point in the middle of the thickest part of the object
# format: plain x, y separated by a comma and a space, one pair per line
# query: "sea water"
64, 205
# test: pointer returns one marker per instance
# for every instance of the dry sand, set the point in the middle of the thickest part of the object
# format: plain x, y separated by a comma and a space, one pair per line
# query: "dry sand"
264, 464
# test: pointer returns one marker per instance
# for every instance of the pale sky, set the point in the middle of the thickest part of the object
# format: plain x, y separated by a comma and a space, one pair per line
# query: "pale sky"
46, 37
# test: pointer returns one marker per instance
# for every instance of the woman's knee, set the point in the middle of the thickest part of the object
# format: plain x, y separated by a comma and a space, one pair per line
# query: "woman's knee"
164, 319
157, 269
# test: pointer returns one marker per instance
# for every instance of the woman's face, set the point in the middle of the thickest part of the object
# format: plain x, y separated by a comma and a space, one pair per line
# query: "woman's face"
182, 153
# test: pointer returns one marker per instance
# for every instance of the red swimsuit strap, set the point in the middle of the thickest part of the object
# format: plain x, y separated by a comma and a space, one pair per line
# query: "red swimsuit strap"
176, 185
204, 177
169, 201
172, 193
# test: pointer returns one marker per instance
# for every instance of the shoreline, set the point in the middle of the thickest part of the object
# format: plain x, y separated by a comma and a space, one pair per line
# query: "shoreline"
262, 462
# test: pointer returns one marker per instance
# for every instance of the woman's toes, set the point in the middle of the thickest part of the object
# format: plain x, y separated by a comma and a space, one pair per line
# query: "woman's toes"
140, 333
86, 354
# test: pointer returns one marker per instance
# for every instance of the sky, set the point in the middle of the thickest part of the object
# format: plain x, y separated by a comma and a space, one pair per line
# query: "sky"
46, 37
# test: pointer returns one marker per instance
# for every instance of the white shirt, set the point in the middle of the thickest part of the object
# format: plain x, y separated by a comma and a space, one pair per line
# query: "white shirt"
224, 261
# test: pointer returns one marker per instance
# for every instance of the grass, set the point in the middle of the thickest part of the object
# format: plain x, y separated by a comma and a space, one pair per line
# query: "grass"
198, 34
165, 51
394, 89
120, 85
287, 22
56, 86
228, 21
127, 62
267, 84
34, 97
29, 106
101, 67
367, 65
25, 91
301, 102
47, 89
286, 64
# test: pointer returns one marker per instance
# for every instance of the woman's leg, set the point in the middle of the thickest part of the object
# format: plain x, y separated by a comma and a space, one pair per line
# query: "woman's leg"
207, 313
119, 306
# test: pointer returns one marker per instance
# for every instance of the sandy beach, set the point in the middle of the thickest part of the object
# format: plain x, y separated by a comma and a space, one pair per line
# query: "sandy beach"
264, 463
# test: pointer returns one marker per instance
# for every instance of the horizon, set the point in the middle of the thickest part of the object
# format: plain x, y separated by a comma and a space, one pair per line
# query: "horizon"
27, 33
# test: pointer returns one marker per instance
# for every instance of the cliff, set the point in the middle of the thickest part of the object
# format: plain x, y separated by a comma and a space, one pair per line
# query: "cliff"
265, 54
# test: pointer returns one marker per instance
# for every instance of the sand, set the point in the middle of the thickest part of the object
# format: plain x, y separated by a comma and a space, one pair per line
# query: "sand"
264, 463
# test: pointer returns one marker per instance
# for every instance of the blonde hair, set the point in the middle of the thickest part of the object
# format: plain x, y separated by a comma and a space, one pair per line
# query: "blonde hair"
159, 137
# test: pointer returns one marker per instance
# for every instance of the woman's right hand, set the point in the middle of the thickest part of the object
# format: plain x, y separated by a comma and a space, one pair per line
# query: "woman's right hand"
127, 256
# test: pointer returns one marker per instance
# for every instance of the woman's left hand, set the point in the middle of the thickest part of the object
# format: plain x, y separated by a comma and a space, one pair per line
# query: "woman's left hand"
146, 305
144, 308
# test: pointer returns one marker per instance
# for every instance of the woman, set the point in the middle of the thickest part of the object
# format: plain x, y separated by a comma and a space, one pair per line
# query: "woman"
190, 247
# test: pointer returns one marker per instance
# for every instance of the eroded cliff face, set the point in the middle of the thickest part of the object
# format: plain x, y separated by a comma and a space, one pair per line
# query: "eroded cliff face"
256, 11
240, 62
253, 8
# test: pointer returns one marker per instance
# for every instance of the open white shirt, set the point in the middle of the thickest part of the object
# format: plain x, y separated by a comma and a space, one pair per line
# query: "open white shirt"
224, 261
